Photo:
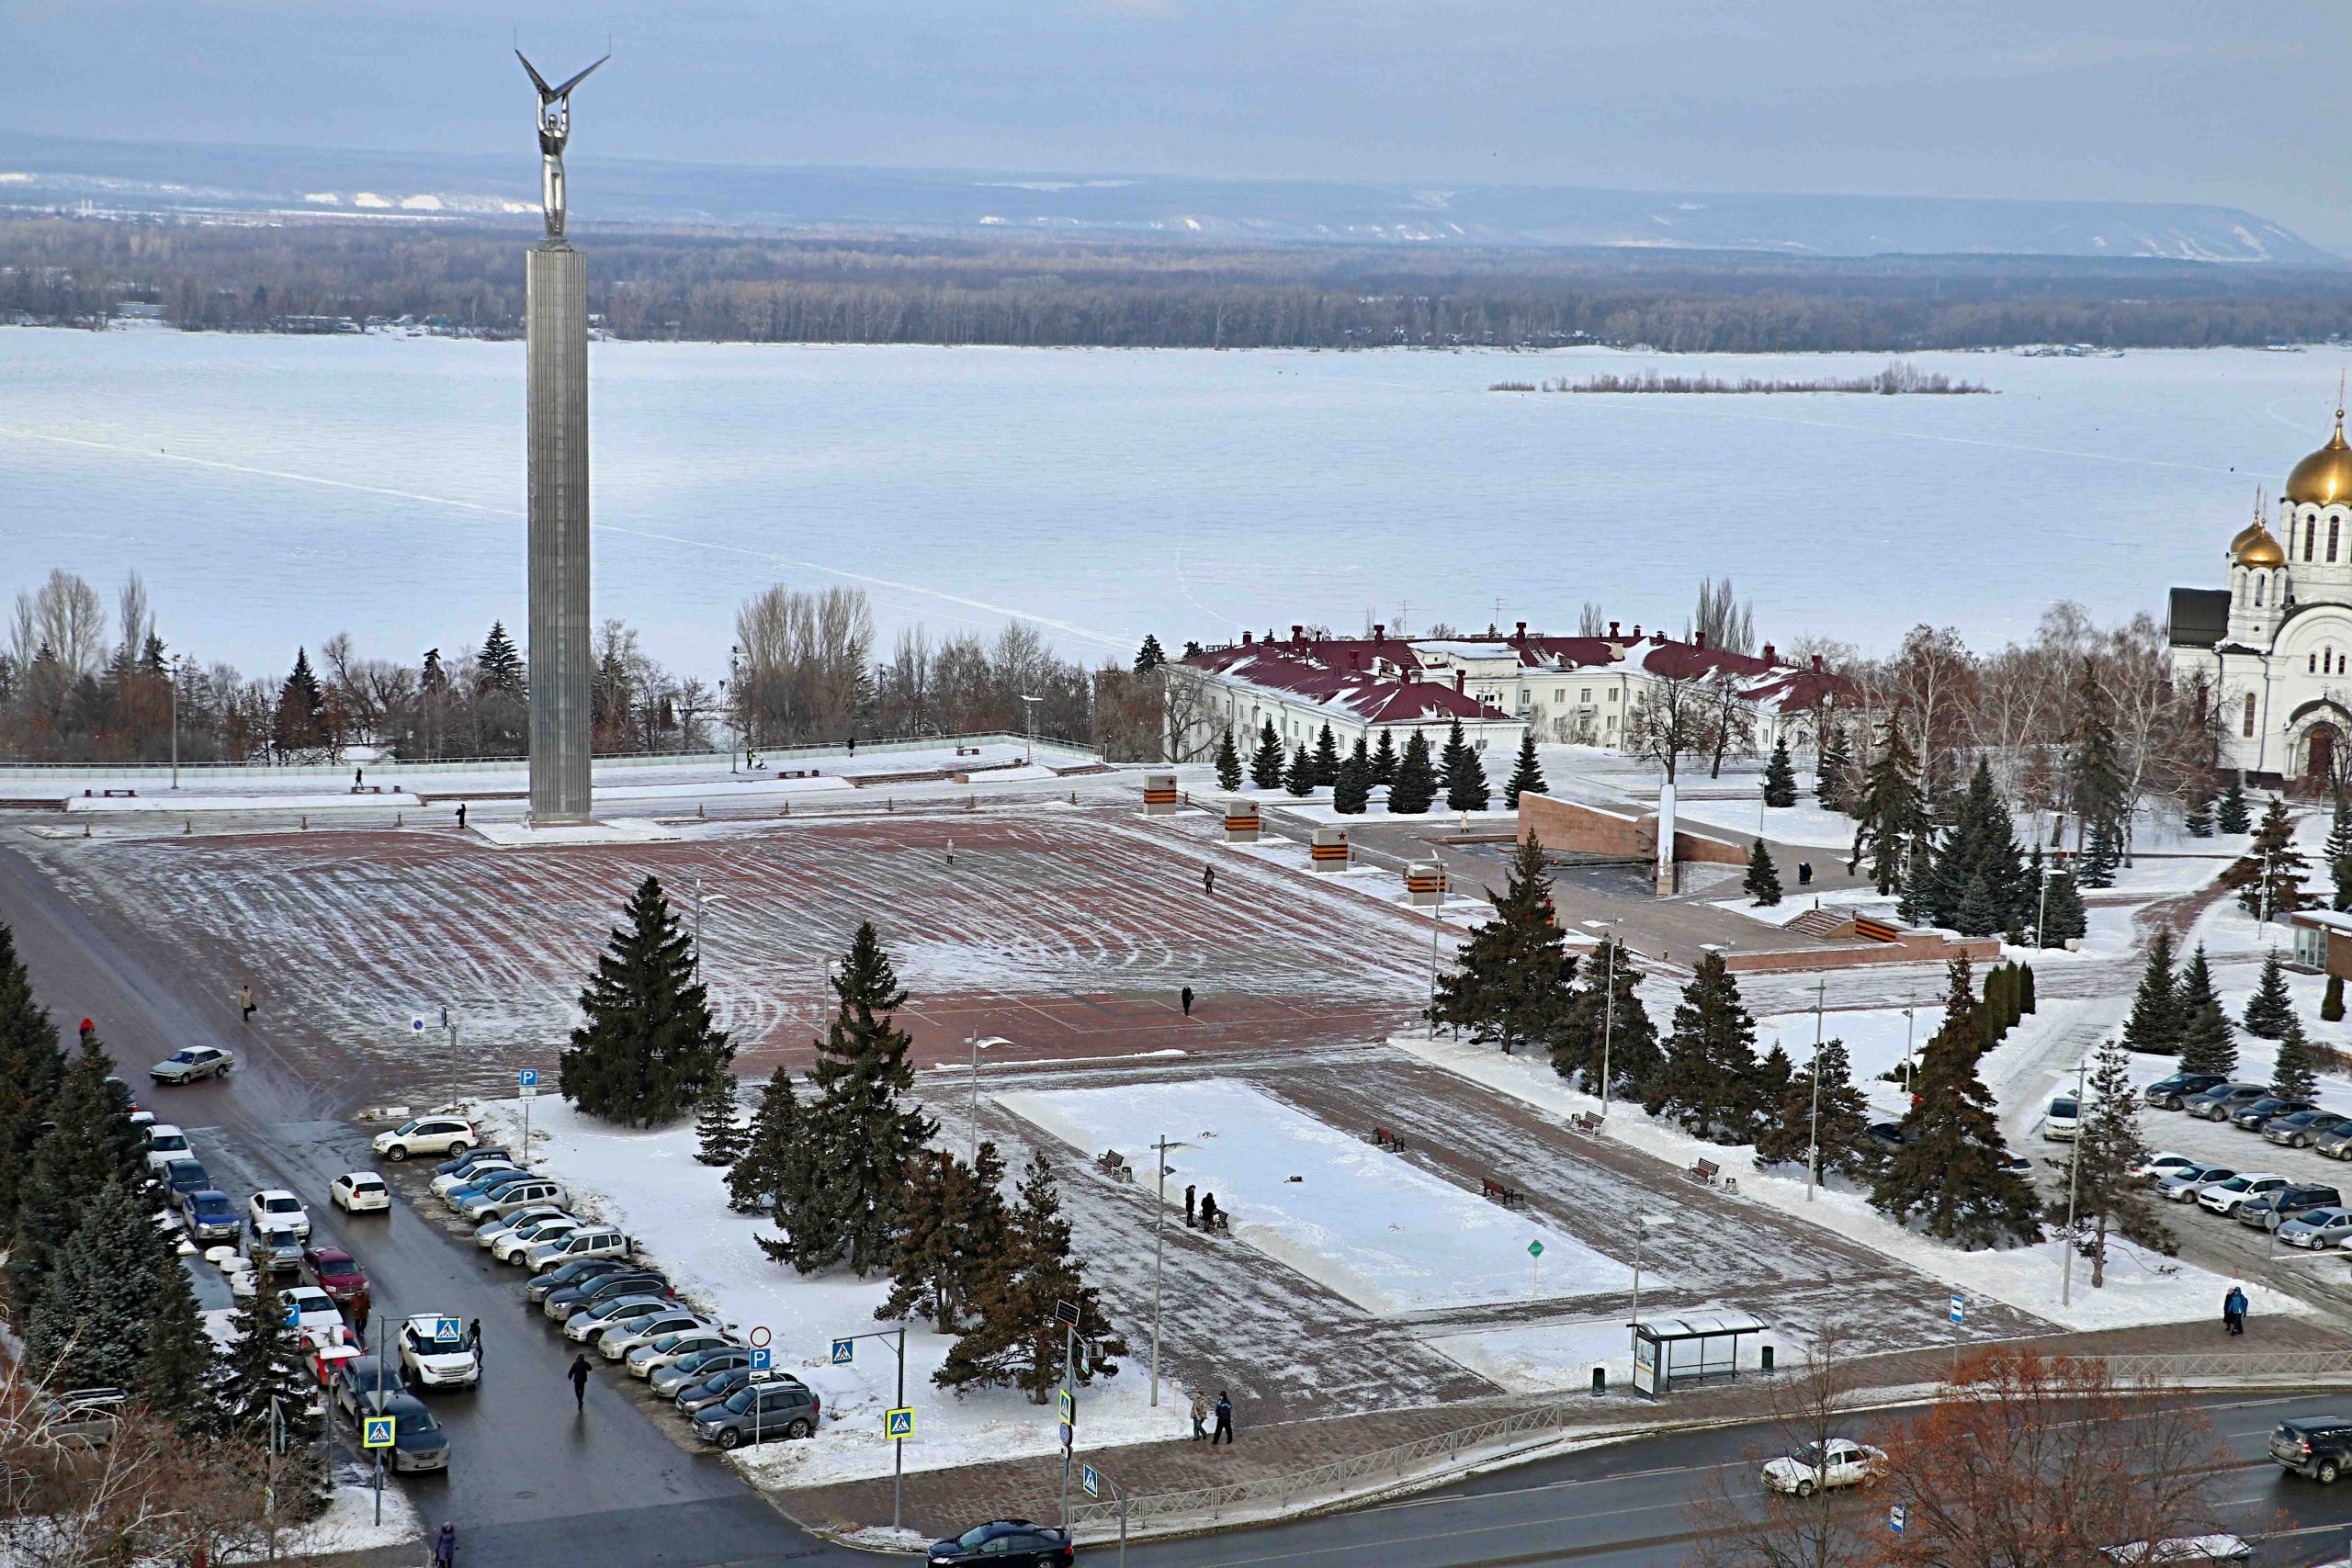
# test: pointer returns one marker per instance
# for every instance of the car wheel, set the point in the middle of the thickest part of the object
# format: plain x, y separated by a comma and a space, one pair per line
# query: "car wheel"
797, 1429
2327, 1473
397, 1153
728, 1437
1804, 1488
460, 1147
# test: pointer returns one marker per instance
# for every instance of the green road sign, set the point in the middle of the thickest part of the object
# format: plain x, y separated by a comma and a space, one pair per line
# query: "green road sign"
376, 1431
900, 1423
1535, 1250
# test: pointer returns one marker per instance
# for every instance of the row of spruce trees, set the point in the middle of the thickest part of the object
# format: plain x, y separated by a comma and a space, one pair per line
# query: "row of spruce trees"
842, 1163
93, 1275
1414, 781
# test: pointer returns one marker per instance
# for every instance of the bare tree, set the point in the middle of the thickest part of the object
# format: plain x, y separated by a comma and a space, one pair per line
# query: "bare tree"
1731, 721
1721, 618
64, 619
1673, 717
1589, 621
1933, 679
1809, 1406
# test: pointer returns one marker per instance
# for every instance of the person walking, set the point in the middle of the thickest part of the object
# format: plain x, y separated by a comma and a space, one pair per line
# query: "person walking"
1200, 1415
1208, 1211
2234, 1307
359, 1305
358, 777
445, 1546
1185, 996
1208, 881
1191, 1203
461, 814
1224, 1420
951, 851
245, 1002
579, 1376
473, 1337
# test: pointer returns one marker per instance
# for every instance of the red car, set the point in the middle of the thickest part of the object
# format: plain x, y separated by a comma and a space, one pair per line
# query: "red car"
333, 1271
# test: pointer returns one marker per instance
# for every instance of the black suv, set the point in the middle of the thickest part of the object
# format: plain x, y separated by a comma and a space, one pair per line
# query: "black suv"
2317, 1446
2265, 1211
1015, 1543
2172, 1093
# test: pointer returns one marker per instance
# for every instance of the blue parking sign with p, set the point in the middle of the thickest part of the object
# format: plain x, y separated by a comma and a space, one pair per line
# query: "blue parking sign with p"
527, 1077
377, 1432
763, 1359
845, 1352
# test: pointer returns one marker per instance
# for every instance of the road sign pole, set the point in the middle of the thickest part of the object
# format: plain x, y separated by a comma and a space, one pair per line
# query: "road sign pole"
899, 1448
379, 1400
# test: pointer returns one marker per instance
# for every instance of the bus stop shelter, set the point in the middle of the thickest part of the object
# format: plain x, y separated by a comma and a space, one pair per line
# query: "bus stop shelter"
1696, 1348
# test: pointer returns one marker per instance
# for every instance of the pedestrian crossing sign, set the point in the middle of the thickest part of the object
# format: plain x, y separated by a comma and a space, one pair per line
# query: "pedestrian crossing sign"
897, 1423
376, 1431
845, 1352
1070, 1407
1089, 1481
448, 1331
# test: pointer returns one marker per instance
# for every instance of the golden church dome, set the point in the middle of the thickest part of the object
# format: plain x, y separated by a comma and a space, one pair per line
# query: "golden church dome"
2258, 546
2324, 478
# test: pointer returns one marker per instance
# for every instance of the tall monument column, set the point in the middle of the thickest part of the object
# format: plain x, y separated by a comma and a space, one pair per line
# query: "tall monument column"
557, 334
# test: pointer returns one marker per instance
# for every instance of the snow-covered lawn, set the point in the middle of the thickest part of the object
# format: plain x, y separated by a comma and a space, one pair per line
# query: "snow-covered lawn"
1385, 1234
650, 1184
349, 1523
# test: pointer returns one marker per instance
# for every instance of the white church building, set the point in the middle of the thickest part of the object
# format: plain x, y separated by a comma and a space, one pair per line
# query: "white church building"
2274, 647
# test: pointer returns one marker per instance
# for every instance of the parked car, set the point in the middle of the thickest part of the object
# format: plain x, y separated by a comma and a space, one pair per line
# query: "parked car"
428, 1135
333, 1271
448, 1182
362, 1383
507, 1197
2304, 1128
782, 1407
715, 1389
2317, 1228
491, 1229
360, 1193
185, 1176
2336, 1145
1819, 1467
2223, 1197
2255, 1117
2290, 1201
418, 1441
2172, 1093
2184, 1186
590, 1322
83, 1418
617, 1342
196, 1062
2058, 1124
561, 1304
2163, 1163
1006, 1543
648, 1356
309, 1307
2220, 1103
273, 1248
2317, 1446
478, 1155
433, 1362
563, 1277
1887, 1136
514, 1246
699, 1366
209, 1215
165, 1143
491, 1182
274, 1206
596, 1241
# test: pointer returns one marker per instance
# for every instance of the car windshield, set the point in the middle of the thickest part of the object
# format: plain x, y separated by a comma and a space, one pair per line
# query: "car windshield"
418, 1420
281, 1204
336, 1269
2061, 1108
167, 1141
405, 1128
740, 1399
183, 1056
212, 1204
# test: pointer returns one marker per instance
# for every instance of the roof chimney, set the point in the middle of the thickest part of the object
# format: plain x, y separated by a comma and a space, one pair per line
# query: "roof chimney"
1697, 640
1770, 657
1613, 628
1637, 630
1522, 631
1297, 632
1816, 664
1457, 678
1245, 639
1380, 631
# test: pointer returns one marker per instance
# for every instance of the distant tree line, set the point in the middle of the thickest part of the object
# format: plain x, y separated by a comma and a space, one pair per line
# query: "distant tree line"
775, 289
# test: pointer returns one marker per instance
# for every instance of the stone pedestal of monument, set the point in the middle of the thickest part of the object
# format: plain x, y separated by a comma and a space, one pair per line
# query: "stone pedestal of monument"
558, 331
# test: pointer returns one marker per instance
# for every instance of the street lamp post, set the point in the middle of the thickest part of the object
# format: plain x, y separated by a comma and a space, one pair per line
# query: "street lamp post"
979, 1043
1813, 1133
702, 899
1642, 1224
1159, 1250
2042, 907
1029, 754
2074, 1167
175, 722
1910, 1063
1608, 1008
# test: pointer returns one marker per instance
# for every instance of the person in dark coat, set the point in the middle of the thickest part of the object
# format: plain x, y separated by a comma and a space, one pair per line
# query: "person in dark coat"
445, 1546
1186, 996
1208, 880
1224, 1420
2234, 1311
1192, 1207
1200, 1415
359, 1305
1208, 1211
461, 814
579, 1376
473, 1337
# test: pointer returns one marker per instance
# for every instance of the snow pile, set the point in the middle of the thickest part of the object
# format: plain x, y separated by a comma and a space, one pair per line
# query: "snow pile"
349, 1523
1389, 1237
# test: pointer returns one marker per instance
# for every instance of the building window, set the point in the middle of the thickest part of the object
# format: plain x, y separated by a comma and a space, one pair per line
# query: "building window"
2249, 716
2333, 524
1560, 694
1613, 697
2314, 667
2259, 581
1585, 695
2310, 539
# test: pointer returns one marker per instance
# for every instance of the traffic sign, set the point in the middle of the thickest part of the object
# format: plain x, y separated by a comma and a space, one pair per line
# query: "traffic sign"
1535, 1250
416, 1023
1959, 1309
293, 1315
1070, 1407
527, 1077
376, 1431
762, 1358
1070, 1435
1089, 1481
761, 1335
898, 1423
845, 1352
1895, 1519
448, 1331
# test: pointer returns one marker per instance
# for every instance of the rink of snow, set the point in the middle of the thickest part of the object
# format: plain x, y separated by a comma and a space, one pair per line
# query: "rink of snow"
1389, 1237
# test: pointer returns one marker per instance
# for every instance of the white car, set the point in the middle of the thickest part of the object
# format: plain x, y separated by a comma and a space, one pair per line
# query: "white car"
620, 1339
276, 1209
481, 1170
311, 1309
2060, 1122
435, 1363
645, 1359
2223, 1197
196, 1062
490, 1230
2164, 1163
598, 1241
428, 1135
1818, 1467
360, 1193
516, 1244
165, 1143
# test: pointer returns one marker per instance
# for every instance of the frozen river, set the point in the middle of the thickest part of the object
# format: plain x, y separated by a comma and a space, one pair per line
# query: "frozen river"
276, 490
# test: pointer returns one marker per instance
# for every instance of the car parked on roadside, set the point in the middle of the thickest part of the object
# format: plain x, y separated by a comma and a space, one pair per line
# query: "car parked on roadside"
781, 1407
479, 1154
418, 1441
209, 1215
590, 1323
715, 1389
194, 1062
514, 1246
2317, 1446
488, 1182
361, 1384
491, 1229
616, 1342
274, 1206
428, 1135
2304, 1128
2262, 1113
594, 1241
333, 1271
2180, 1552
1006, 1543
2294, 1198
2172, 1093
2183, 1186
699, 1366
507, 1197
433, 1362
650, 1356
2223, 1197
83, 1418
360, 1193
2224, 1100
2336, 1145
564, 1277
165, 1143
561, 1305
1821, 1467
448, 1182
2317, 1228
273, 1248
2163, 1163
2059, 1123
310, 1308
185, 1176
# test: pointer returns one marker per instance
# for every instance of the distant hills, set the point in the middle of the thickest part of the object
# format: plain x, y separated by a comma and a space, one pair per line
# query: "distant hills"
38, 172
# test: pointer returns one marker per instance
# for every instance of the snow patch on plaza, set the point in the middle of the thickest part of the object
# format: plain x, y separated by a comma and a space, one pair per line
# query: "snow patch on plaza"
1384, 1234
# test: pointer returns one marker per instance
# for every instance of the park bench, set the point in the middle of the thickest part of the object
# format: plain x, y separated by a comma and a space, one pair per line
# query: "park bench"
1587, 1122
968, 750
1706, 1170
114, 794
1382, 1138
367, 789
1502, 1193
1115, 1165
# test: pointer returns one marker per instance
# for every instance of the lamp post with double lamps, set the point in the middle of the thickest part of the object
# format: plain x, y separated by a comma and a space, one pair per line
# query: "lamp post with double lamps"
1608, 1007
1159, 1247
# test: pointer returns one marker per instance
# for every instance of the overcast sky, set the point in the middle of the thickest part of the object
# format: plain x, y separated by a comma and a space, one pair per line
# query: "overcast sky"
2237, 102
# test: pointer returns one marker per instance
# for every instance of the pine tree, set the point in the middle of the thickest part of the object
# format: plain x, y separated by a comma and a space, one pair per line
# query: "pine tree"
1300, 780
2295, 1074
2331, 1001
2100, 859
1228, 762
1526, 774
29, 1069
2271, 1009
2233, 817
1706, 1080
1979, 877
91, 1145
499, 668
1352, 792
1892, 815
773, 1157
2095, 767
2063, 919
298, 724
2338, 855
952, 1232
1510, 984
2025, 990
645, 1049
1384, 760
2154, 1028
1981, 913
863, 1134
263, 1368
1996, 1014
1916, 906
1020, 1339
1763, 881
1779, 776
1833, 768
2207, 1044
89, 1323
2197, 819
2107, 1192
1952, 1175
1414, 789
2270, 880
1149, 657
1327, 758
1266, 761
718, 1138
1463, 774
1605, 1020
1839, 1136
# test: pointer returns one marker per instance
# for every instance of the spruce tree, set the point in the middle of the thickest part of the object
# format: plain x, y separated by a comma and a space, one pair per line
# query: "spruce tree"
1833, 768
91, 1145
1707, 1078
1352, 792
1763, 880
773, 1159
30, 1066
1779, 776
1917, 906
1511, 983
1526, 774
2295, 1074
1299, 780
1384, 760
2108, 1194
2197, 818
1980, 913
2100, 857
2270, 880
2095, 768
1266, 761
2063, 918
298, 724
952, 1232
1841, 1128
2331, 1001
263, 1368
1149, 657
1020, 1339
2025, 990
2271, 1009
1951, 1174
2233, 817
1979, 878
1229, 763
89, 1323
718, 1138
1414, 789
645, 1049
1327, 758
2207, 1044
1605, 1020
1465, 775
862, 1132
2154, 1028
2340, 857
1892, 816
498, 667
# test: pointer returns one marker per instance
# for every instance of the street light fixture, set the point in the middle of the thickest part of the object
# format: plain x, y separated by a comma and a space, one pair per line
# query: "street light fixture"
1608, 1007
702, 899
1158, 1249
979, 1042
1030, 754
2074, 1168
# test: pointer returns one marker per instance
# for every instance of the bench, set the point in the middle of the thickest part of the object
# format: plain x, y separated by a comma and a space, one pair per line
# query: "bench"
114, 794
1706, 1170
968, 750
367, 789
1502, 1193
1382, 1138
797, 773
1587, 1122
1115, 1165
